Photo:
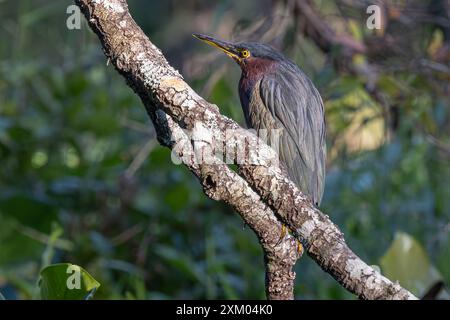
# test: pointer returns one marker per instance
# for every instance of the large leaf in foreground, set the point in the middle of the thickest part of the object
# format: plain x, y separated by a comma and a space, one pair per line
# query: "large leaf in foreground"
66, 281
407, 262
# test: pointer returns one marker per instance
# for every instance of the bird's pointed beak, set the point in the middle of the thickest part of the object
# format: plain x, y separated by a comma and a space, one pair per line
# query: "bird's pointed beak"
227, 47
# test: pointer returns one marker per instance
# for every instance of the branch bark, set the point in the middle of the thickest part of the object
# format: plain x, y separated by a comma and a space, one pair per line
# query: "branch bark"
221, 183
262, 194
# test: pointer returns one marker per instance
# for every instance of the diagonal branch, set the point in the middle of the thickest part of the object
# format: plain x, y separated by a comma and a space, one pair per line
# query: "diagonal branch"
221, 183
164, 92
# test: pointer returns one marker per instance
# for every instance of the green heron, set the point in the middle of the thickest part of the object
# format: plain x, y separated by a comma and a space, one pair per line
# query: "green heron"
276, 94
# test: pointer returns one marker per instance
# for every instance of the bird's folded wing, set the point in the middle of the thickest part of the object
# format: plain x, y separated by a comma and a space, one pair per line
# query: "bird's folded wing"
296, 105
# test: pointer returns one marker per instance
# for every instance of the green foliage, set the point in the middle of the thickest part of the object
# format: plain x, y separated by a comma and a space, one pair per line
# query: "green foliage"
70, 129
65, 281
407, 261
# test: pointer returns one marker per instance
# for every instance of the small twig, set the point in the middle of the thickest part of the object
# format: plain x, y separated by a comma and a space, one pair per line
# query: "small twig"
439, 144
127, 234
140, 158
44, 238
137, 126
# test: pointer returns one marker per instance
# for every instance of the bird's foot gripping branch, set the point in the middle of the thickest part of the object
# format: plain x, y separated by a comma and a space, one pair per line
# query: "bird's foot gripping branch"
262, 194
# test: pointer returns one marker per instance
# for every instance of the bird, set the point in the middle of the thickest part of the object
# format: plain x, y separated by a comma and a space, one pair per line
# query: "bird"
276, 94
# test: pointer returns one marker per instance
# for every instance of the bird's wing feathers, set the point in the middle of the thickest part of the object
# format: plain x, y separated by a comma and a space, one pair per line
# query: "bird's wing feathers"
296, 105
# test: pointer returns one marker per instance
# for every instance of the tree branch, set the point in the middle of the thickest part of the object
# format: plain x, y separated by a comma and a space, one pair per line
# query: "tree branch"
166, 96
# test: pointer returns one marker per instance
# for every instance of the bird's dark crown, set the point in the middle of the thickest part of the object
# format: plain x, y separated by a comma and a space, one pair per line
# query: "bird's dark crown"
260, 50
242, 51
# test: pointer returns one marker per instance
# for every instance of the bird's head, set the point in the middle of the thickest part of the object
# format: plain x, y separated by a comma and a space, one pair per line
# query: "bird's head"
245, 54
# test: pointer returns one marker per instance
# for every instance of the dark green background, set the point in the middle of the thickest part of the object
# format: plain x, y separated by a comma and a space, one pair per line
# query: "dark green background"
70, 128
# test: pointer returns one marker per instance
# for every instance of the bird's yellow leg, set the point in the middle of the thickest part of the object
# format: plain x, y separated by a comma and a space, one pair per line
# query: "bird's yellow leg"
299, 248
284, 231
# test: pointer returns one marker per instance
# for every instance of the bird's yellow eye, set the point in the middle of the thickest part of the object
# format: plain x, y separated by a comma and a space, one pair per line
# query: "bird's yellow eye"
245, 53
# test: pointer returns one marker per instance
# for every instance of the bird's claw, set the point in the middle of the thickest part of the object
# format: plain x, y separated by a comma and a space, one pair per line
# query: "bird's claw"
284, 231
300, 249
283, 234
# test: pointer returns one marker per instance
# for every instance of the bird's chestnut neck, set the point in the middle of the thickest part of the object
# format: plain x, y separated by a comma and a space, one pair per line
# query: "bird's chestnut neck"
255, 67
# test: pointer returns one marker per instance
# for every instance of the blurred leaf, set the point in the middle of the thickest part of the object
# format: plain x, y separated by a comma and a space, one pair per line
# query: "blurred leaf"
29, 209
407, 262
182, 262
343, 86
15, 246
177, 197
389, 85
56, 232
66, 281
221, 92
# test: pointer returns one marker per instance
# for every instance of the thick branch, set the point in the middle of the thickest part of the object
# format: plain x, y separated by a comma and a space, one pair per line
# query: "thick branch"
161, 87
